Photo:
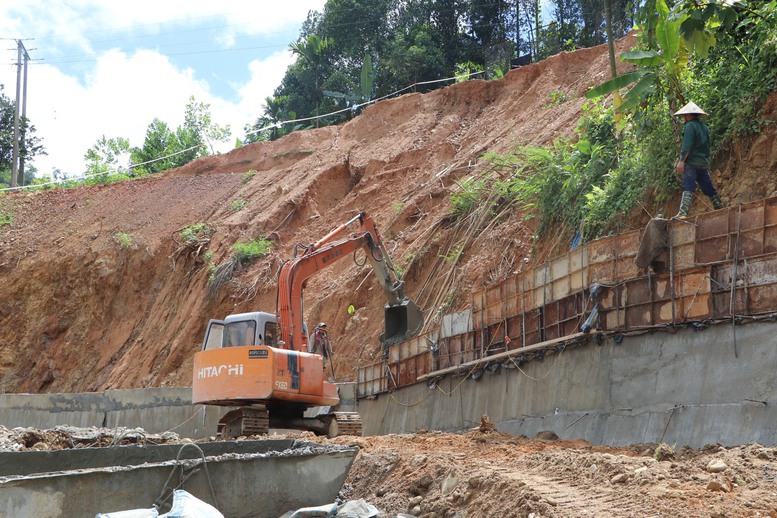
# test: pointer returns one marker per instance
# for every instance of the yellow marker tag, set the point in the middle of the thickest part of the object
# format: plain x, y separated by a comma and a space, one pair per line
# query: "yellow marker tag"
351, 309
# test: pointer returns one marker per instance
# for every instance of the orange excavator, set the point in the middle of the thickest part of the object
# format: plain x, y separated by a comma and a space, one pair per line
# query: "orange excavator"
260, 362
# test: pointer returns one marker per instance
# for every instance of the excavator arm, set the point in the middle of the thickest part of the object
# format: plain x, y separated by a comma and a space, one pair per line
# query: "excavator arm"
403, 318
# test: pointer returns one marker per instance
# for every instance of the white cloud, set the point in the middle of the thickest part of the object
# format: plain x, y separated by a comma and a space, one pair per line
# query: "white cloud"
81, 22
122, 96
123, 91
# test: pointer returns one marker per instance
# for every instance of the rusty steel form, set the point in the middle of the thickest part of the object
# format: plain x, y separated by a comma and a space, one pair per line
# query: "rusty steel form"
722, 266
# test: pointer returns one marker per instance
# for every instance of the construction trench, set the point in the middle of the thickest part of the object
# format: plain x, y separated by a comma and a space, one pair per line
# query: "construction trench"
682, 352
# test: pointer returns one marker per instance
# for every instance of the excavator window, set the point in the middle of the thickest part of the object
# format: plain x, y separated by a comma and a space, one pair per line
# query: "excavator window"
214, 335
239, 333
269, 333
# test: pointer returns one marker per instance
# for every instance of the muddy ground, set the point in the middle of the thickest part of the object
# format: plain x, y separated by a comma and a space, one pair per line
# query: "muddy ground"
487, 473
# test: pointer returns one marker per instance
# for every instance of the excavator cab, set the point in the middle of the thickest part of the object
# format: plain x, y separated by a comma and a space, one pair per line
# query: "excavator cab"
257, 328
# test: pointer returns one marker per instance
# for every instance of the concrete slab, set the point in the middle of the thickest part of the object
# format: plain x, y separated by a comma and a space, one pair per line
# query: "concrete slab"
241, 479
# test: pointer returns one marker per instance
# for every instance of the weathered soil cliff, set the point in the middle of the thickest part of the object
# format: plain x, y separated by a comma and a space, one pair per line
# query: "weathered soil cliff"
97, 291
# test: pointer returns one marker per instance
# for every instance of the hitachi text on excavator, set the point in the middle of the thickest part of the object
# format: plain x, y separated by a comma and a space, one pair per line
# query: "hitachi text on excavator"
260, 362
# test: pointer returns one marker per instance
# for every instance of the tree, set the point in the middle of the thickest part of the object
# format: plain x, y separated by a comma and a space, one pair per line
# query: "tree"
165, 149
199, 128
360, 93
29, 145
313, 54
106, 154
273, 113
153, 156
658, 68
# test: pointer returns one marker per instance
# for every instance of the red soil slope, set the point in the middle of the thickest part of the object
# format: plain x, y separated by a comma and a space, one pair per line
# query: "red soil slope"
81, 312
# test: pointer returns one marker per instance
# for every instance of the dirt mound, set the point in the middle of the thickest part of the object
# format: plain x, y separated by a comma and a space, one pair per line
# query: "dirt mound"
442, 475
69, 437
97, 293
438, 475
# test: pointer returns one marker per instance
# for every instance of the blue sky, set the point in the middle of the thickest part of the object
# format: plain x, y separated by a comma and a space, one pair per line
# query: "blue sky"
110, 67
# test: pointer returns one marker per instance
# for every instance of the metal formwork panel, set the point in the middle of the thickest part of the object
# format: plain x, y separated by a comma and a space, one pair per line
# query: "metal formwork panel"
513, 295
496, 338
578, 268
524, 329
411, 368
692, 292
563, 317
495, 303
542, 286
371, 379
755, 286
712, 237
559, 273
454, 351
682, 238
770, 225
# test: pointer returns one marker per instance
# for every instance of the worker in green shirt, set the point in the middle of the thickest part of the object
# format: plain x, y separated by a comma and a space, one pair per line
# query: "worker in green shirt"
695, 159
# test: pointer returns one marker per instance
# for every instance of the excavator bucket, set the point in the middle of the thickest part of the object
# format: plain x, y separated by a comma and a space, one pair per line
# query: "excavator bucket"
403, 321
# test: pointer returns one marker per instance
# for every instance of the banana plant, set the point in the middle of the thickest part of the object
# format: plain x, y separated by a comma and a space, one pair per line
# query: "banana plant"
361, 93
656, 66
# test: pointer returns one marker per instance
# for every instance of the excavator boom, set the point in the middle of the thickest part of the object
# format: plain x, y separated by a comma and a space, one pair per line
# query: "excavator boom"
403, 318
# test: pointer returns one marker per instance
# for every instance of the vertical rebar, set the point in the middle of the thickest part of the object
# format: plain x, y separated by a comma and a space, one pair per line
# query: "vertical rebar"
734, 282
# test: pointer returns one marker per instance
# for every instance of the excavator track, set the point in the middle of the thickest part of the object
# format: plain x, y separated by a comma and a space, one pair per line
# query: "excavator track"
243, 422
344, 423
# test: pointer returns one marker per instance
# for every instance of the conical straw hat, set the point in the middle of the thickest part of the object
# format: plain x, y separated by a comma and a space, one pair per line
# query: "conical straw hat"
690, 109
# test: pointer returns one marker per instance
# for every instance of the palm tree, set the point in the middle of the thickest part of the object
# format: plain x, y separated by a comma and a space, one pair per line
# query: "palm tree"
313, 53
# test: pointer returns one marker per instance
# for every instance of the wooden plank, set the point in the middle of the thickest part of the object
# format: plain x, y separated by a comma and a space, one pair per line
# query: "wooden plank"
505, 355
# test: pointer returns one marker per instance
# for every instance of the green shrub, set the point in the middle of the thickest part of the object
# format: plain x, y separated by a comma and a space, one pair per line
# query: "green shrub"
248, 251
470, 193
6, 217
196, 234
556, 97
237, 205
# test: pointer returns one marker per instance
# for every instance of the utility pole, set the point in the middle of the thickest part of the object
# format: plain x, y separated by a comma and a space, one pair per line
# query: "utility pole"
17, 168
517, 28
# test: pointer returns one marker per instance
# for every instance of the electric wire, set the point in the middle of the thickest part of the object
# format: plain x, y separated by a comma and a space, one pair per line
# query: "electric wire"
274, 125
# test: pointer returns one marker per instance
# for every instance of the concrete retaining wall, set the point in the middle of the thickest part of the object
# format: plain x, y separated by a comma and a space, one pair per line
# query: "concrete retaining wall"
155, 410
687, 388
684, 388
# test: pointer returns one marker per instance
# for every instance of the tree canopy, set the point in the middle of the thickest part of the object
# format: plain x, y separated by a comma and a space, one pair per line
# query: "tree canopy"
400, 43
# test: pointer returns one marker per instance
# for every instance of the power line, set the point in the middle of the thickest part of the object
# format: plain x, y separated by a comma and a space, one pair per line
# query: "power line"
361, 22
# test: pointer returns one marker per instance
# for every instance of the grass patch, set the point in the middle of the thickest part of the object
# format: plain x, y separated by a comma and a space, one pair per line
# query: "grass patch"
556, 97
248, 175
123, 239
196, 234
6, 217
237, 205
244, 253
296, 152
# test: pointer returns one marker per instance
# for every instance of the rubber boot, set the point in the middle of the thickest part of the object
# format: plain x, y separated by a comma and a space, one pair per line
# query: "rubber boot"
717, 203
685, 205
